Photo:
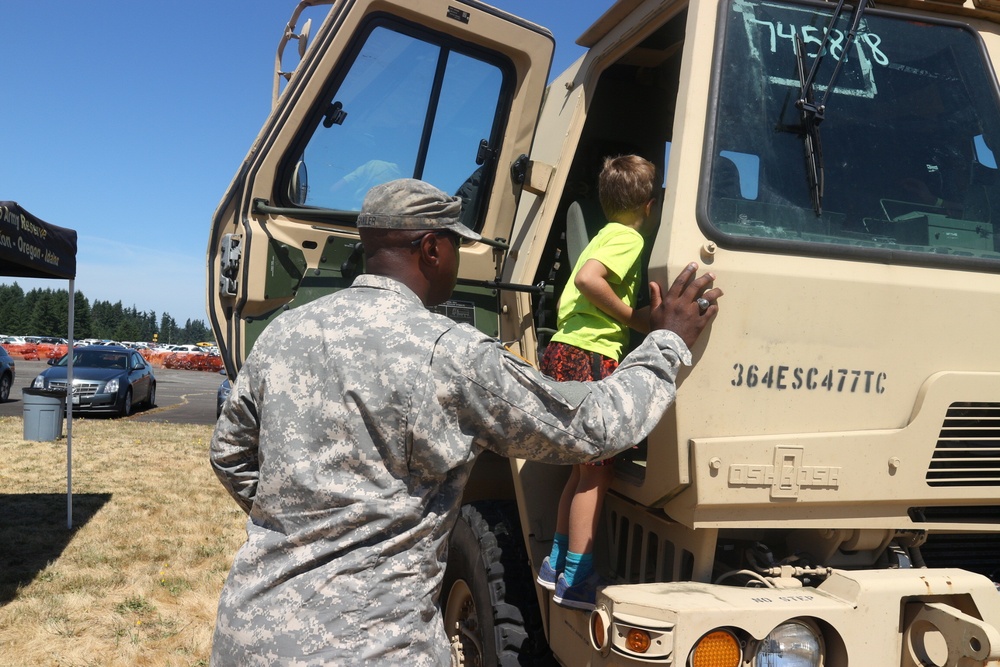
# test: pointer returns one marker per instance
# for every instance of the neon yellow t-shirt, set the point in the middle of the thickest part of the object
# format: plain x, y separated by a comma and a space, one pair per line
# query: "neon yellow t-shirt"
581, 323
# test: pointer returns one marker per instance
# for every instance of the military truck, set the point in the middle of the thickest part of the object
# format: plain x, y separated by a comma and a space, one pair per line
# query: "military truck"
825, 490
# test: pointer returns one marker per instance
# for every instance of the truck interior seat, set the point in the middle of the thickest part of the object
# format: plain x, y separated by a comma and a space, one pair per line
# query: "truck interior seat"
584, 219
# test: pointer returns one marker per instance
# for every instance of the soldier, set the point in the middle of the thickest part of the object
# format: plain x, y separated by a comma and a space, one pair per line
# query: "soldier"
352, 427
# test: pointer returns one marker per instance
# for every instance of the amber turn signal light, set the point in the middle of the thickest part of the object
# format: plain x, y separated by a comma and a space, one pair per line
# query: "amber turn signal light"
637, 640
718, 648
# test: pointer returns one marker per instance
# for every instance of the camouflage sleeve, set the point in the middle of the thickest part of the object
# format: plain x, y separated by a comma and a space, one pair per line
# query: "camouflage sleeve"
234, 446
515, 410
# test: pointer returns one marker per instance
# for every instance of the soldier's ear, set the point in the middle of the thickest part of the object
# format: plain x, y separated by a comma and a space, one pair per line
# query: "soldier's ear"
430, 249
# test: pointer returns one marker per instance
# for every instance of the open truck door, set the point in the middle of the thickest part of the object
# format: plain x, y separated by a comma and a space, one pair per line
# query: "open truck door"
443, 91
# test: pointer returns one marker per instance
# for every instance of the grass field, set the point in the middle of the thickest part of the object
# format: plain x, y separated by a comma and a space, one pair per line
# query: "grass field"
137, 579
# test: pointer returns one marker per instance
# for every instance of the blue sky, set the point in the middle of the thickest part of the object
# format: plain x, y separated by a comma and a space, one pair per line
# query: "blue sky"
126, 120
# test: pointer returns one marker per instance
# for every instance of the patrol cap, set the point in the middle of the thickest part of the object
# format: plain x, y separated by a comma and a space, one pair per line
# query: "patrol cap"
407, 203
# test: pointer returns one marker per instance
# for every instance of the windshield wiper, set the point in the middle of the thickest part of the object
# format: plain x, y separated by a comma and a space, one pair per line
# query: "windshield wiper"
812, 116
813, 113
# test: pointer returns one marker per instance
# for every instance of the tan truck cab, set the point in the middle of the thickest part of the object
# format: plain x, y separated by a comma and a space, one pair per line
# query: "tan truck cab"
826, 490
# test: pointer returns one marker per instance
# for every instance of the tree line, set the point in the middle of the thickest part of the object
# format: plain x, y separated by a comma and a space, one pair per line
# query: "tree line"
43, 312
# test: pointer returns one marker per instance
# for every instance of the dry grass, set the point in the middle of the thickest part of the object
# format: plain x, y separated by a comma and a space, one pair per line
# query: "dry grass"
137, 579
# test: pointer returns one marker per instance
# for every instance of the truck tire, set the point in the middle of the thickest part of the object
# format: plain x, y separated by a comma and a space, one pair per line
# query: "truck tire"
488, 598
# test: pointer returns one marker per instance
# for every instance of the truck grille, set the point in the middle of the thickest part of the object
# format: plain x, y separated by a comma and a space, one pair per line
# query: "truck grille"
976, 552
643, 549
968, 448
80, 388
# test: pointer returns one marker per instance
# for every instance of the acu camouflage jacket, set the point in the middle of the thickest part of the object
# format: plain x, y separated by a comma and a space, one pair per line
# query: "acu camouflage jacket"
348, 439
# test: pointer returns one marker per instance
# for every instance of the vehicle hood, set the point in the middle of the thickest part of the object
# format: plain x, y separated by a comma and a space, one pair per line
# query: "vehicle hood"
83, 373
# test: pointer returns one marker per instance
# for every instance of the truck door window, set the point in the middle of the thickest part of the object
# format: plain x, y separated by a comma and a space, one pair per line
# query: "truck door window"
409, 105
904, 152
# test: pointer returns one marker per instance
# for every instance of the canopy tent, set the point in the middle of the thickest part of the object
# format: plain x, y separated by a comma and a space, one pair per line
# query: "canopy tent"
33, 248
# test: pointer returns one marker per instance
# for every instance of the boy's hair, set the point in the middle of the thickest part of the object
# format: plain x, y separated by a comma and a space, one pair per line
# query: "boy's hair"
626, 183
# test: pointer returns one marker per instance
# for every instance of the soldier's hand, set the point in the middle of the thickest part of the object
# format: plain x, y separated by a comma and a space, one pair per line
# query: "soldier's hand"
687, 307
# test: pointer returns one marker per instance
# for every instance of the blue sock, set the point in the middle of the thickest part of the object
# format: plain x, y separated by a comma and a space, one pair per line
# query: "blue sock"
557, 557
578, 566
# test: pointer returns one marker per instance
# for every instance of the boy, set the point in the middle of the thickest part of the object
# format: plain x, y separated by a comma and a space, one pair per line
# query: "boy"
596, 310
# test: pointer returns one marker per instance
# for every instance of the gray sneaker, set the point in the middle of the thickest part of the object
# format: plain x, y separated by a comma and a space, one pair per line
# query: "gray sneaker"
581, 595
547, 575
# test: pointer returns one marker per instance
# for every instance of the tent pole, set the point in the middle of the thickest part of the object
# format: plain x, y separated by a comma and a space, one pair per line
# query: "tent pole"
69, 410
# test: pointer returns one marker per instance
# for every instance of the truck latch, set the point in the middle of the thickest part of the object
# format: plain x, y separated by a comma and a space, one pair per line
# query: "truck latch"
533, 176
230, 251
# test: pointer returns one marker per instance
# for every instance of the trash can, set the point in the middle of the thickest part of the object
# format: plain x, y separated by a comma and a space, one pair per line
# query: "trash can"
44, 410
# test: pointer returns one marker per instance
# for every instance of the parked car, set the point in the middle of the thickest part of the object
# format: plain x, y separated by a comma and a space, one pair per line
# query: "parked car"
6, 374
190, 349
222, 394
52, 340
105, 379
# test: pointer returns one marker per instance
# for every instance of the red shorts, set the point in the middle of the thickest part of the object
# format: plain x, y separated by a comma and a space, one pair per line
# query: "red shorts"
567, 363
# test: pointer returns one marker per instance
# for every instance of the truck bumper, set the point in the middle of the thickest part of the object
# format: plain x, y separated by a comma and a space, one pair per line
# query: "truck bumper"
943, 617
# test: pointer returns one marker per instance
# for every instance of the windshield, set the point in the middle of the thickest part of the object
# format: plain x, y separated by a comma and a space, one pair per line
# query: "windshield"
900, 164
92, 359
408, 106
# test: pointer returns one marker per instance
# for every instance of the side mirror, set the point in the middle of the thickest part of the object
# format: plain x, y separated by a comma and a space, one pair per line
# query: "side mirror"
298, 188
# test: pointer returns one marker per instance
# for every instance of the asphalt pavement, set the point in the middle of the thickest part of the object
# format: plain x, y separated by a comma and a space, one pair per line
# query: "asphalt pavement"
182, 397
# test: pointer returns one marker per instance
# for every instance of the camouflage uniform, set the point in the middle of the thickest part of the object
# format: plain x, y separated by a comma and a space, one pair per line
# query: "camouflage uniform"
348, 438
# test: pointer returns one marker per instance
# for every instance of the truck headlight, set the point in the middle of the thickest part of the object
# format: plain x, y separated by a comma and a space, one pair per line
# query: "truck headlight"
111, 387
792, 644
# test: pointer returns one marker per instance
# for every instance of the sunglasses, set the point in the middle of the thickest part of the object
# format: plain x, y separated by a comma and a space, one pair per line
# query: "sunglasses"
458, 240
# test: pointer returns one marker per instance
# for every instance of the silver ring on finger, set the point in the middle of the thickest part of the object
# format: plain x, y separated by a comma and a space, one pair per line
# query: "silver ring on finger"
703, 303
